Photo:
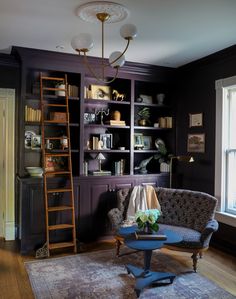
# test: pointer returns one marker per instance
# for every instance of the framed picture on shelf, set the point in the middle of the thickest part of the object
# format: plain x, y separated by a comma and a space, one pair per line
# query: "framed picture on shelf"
147, 142
195, 120
146, 99
100, 92
138, 141
196, 143
36, 142
106, 141
89, 118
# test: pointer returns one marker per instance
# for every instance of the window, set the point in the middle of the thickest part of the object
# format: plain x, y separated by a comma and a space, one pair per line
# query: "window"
225, 170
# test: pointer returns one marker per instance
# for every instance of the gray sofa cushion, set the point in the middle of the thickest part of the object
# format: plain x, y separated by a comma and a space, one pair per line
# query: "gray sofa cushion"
190, 209
191, 238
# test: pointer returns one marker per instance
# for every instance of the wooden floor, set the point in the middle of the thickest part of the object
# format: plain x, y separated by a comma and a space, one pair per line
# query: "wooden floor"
14, 282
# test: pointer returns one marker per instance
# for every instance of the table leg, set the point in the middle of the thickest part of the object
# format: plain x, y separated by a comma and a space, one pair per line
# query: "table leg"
145, 277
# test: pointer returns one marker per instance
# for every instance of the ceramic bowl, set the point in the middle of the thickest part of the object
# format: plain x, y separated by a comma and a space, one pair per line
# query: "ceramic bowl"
35, 171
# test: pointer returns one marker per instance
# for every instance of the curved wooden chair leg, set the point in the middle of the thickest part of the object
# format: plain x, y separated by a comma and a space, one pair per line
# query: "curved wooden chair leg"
118, 244
195, 259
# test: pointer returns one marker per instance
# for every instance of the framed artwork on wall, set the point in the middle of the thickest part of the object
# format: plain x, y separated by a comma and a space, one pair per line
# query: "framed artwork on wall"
195, 120
196, 143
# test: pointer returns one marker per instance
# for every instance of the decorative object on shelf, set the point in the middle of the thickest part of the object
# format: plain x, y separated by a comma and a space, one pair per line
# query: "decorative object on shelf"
144, 115
102, 112
162, 154
89, 118
142, 167
64, 142
34, 171
58, 116
147, 220
103, 12
139, 100
187, 159
62, 92
195, 120
118, 96
160, 98
106, 141
165, 122
146, 99
164, 167
138, 141
28, 137
116, 115
48, 144
36, 142
100, 92
147, 142
49, 164
100, 157
196, 143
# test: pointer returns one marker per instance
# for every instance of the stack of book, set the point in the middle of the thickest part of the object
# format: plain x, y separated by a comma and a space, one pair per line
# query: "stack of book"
165, 122
73, 90
32, 114
116, 122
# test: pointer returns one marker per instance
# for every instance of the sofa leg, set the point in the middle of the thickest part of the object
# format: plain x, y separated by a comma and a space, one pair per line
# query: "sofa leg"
195, 259
118, 244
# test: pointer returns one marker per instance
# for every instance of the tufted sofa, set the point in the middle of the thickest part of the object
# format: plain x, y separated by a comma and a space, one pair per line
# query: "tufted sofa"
188, 213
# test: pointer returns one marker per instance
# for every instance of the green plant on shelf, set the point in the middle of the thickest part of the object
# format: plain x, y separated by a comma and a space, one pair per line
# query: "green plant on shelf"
144, 115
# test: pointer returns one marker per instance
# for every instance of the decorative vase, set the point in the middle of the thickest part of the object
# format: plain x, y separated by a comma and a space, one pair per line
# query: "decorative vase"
147, 229
116, 115
142, 122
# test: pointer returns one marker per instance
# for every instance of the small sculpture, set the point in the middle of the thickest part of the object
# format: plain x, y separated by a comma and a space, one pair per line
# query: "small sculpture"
118, 96
143, 165
102, 112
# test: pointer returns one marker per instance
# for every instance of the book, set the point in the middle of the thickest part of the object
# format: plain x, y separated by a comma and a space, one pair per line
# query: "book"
100, 173
141, 236
116, 122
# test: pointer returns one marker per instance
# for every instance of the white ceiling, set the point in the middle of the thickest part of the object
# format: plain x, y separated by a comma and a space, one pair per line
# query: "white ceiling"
170, 32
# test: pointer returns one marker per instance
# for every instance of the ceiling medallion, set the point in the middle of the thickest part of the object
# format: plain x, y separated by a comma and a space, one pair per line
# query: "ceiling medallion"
103, 12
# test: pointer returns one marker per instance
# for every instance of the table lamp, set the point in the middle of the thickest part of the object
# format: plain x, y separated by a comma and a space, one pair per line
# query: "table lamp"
100, 157
188, 159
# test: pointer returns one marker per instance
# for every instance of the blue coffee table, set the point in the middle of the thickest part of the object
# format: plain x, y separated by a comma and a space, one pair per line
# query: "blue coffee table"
145, 277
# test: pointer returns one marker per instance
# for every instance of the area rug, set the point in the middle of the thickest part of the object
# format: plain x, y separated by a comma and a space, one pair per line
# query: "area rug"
100, 274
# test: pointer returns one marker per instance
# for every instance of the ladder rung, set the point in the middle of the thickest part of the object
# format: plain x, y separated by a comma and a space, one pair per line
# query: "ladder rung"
56, 138
52, 78
57, 155
55, 105
60, 208
60, 226
61, 245
59, 190
54, 88
57, 172
55, 122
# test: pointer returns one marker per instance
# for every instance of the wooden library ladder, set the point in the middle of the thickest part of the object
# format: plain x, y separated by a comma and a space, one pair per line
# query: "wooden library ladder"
54, 211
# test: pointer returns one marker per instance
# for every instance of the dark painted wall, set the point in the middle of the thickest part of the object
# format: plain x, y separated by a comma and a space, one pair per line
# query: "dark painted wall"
196, 93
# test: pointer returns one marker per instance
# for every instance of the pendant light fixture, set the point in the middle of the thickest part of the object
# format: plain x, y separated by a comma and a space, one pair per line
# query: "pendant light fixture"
103, 12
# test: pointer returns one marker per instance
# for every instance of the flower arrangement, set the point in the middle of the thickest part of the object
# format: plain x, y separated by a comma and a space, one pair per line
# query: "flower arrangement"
148, 219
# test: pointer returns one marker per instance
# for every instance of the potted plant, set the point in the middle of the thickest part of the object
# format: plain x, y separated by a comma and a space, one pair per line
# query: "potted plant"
147, 220
144, 115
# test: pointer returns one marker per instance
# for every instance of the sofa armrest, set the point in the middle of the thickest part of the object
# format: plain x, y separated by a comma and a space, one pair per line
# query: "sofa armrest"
116, 217
210, 228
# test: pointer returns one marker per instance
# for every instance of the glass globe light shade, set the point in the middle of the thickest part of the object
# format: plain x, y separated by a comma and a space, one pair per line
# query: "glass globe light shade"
128, 31
83, 41
118, 63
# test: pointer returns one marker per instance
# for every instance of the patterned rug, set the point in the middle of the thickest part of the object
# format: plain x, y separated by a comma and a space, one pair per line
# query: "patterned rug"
100, 274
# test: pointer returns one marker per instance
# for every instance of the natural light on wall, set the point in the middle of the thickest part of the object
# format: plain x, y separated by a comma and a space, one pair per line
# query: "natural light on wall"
225, 158
230, 150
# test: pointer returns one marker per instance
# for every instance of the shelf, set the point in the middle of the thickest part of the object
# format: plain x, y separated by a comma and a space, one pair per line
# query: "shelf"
152, 105
106, 151
105, 126
151, 128
36, 97
94, 101
146, 151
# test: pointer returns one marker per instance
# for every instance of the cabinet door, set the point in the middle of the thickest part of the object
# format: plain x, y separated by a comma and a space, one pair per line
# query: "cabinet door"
32, 216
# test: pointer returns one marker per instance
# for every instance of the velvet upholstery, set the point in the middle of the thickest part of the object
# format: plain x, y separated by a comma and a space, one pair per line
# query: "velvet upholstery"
188, 213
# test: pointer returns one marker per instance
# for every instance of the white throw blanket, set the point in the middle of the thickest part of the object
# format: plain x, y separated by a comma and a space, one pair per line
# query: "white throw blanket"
137, 202
141, 198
